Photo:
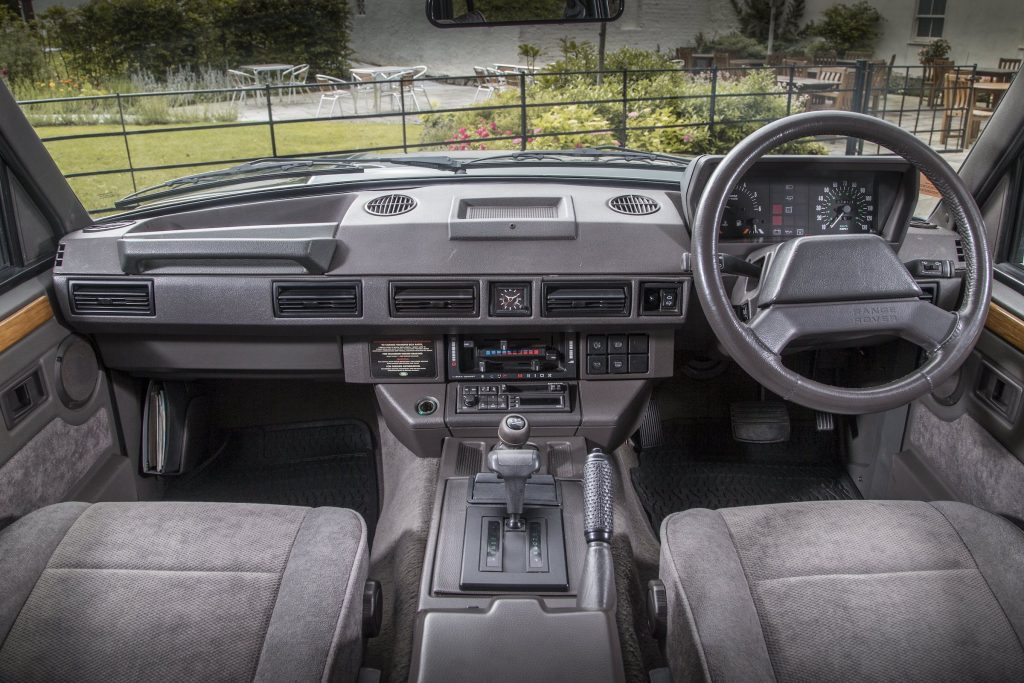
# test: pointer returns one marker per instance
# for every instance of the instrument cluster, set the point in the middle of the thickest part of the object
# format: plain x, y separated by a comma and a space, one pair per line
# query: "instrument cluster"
770, 210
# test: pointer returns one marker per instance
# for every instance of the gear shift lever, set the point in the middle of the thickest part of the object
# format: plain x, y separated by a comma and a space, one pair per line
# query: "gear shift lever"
514, 462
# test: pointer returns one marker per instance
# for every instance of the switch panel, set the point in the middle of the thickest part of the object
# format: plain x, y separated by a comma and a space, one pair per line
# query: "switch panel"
618, 354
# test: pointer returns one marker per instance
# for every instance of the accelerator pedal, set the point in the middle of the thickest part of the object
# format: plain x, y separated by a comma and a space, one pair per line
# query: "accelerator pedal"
826, 422
760, 421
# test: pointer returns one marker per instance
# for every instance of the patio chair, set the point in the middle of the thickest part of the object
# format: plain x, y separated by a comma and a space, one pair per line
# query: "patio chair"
1010, 63
722, 60
333, 90
364, 81
295, 78
407, 86
839, 98
958, 104
933, 79
685, 55
881, 74
488, 81
828, 58
242, 82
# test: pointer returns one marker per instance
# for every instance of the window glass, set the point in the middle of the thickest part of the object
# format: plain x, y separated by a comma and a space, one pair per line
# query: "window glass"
930, 18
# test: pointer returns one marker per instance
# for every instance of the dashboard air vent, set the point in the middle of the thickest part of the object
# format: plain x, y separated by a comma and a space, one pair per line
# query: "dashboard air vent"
317, 300
390, 205
434, 300
586, 299
58, 260
94, 297
634, 204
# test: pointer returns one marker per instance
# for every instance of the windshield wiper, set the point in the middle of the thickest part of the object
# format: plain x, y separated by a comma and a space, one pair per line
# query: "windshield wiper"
276, 169
596, 154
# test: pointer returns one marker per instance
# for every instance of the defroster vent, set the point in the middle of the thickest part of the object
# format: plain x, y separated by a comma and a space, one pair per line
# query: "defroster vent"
95, 297
390, 205
634, 204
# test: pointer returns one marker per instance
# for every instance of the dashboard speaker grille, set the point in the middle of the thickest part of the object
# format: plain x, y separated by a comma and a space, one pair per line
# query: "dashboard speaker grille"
390, 205
634, 204
93, 297
434, 300
317, 300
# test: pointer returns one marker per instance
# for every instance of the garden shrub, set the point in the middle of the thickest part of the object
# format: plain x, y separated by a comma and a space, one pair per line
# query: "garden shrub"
21, 53
666, 112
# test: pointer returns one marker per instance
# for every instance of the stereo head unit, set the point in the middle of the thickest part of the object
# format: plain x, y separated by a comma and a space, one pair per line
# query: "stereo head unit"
547, 356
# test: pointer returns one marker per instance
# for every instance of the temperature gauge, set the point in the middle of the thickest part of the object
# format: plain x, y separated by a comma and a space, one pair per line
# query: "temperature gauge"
845, 206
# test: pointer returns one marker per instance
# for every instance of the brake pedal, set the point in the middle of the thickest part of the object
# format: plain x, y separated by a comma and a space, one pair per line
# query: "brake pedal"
760, 421
826, 422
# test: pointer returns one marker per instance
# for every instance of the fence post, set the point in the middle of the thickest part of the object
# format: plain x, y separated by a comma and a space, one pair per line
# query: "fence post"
127, 148
789, 90
625, 107
270, 120
401, 96
858, 103
714, 92
522, 113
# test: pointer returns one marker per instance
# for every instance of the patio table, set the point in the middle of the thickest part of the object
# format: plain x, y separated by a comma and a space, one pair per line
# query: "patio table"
998, 75
994, 90
380, 74
805, 83
272, 71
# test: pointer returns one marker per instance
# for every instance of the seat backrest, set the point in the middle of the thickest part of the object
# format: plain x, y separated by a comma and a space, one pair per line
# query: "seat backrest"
1010, 63
833, 74
330, 83
299, 73
722, 60
241, 79
956, 91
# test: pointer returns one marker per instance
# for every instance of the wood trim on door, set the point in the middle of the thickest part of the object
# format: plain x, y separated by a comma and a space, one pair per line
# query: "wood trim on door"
20, 324
1005, 325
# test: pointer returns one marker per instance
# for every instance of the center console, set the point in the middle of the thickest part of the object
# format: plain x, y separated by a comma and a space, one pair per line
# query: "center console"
518, 582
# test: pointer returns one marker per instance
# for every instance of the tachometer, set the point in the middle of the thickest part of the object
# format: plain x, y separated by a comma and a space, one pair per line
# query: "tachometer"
845, 206
744, 216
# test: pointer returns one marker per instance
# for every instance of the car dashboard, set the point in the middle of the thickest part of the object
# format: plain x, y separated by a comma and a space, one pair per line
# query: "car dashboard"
460, 298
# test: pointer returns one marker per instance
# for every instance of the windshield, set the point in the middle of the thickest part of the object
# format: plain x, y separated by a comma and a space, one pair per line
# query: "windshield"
241, 95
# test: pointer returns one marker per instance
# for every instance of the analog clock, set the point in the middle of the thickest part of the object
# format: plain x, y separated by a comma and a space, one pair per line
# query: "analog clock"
510, 299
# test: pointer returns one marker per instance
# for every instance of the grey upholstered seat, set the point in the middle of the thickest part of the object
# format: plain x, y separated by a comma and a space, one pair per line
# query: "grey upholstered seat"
844, 590
182, 592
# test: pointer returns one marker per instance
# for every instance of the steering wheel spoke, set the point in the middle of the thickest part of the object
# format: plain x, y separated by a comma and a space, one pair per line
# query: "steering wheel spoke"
919, 322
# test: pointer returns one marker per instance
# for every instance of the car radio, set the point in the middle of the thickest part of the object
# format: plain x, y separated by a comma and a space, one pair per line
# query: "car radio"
522, 397
512, 357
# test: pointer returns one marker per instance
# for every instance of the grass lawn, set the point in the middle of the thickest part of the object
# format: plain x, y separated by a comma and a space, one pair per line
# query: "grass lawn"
197, 146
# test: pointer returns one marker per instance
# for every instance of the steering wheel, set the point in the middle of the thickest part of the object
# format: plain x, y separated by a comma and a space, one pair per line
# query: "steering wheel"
841, 286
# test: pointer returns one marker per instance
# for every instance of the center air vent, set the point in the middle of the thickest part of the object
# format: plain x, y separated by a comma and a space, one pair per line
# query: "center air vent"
93, 297
434, 299
586, 299
634, 204
390, 205
317, 300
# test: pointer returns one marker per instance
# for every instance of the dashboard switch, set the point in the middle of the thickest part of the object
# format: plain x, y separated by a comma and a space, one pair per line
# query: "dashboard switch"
597, 365
638, 343
597, 343
638, 363
617, 343
618, 364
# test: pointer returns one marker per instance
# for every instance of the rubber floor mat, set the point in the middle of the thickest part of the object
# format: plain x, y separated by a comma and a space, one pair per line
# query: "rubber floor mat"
701, 466
312, 464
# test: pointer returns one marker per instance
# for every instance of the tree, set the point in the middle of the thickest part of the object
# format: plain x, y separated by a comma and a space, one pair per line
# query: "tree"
755, 18
849, 27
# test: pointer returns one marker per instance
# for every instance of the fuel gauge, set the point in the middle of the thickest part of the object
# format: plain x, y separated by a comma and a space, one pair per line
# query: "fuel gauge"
744, 216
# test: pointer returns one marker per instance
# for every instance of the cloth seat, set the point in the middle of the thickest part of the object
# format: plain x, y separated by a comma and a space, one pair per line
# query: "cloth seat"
844, 591
181, 592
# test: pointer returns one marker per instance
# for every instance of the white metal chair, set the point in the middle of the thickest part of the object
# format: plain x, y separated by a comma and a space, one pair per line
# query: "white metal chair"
407, 86
295, 78
364, 81
333, 90
242, 83
488, 81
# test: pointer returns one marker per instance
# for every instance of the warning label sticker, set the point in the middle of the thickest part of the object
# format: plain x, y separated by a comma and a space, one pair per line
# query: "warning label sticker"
403, 358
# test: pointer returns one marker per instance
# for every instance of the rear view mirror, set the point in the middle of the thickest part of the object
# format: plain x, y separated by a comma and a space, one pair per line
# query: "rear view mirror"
466, 13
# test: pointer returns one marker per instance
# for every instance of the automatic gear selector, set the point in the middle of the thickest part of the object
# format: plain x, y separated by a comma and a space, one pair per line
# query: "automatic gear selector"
514, 461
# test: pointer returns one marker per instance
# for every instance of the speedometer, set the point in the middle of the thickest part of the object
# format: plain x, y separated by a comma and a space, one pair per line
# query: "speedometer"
845, 206
744, 215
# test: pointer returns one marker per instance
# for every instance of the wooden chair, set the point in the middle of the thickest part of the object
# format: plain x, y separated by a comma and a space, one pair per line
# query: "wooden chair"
1010, 62
333, 90
933, 79
958, 103
722, 60
841, 98
826, 58
881, 74
685, 55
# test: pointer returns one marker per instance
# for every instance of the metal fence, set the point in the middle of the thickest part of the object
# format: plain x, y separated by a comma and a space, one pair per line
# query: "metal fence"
934, 104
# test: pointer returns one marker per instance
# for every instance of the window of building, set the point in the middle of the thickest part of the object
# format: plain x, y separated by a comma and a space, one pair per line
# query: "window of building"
931, 16
360, 8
